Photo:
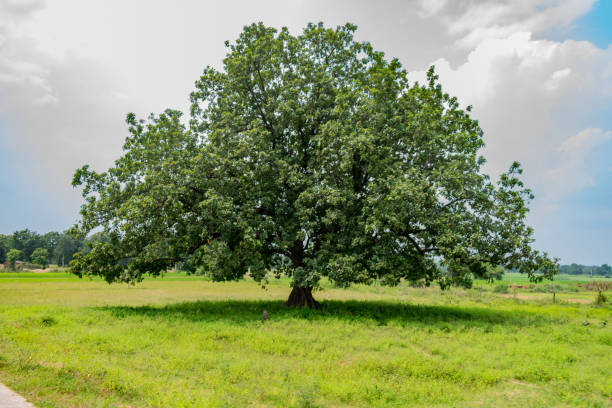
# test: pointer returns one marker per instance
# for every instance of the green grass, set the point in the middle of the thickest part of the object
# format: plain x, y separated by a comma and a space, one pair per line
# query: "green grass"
184, 342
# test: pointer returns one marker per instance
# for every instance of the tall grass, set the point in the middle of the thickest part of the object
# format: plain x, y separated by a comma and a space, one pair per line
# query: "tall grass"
183, 342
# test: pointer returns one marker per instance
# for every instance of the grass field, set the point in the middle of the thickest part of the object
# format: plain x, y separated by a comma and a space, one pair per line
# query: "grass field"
181, 341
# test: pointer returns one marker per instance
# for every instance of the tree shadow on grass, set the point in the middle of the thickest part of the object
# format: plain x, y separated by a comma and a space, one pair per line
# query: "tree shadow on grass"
368, 312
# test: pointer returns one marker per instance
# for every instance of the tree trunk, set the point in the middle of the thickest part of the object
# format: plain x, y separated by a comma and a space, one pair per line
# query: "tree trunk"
300, 297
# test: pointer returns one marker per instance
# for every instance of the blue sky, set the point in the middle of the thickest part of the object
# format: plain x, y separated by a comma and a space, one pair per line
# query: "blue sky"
583, 226
24, 203
70, 71
592, 207
595, 26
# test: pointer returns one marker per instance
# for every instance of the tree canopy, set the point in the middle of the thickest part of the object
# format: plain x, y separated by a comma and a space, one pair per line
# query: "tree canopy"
40, 256
308, 156
3, 249
12, 257
26, 241
575, 269
59, 246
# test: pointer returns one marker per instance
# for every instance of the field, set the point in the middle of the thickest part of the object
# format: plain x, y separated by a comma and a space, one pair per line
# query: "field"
182, 341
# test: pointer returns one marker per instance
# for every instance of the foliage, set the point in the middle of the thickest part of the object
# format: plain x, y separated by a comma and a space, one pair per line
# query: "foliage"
494, 272
3, 251
65, 249
59, 246
601, 298
556, 287
501, 288
308, 156
13, 256
575, 269
50, 241
26, 241
90, 241
40, 256
600, 287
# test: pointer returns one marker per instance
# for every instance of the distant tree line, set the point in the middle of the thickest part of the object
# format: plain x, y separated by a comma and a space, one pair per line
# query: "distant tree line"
575, 269
42, 249
59, 248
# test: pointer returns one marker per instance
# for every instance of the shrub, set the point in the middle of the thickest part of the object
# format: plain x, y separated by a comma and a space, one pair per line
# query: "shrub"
601, 298
550, 288
501, 288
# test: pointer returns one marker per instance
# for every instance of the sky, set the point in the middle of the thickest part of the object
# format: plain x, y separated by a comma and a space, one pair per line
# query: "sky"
538, 74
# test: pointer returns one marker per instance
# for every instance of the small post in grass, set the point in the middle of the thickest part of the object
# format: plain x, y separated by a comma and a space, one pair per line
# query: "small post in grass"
554, 293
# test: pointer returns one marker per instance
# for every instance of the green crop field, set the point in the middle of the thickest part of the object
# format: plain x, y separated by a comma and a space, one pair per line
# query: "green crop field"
182, 341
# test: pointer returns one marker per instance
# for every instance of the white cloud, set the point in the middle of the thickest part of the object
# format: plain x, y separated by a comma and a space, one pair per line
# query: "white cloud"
579, 145
529, 96
57, 113
70, 70
430, 8
22, 78
12, 9
557, 78
473, 22
573, 173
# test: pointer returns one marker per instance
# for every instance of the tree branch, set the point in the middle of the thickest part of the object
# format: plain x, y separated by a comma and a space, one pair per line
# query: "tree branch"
415, 244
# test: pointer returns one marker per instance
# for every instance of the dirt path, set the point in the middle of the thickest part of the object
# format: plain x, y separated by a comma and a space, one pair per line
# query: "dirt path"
10, 399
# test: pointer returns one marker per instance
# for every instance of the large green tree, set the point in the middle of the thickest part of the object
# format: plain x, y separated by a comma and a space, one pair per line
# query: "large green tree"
65, 248
308, 156
26, 241
12, 257
3, 249
50, 241
40, 256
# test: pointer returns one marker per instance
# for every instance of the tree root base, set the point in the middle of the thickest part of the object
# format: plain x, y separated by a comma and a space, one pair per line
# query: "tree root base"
302, 297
